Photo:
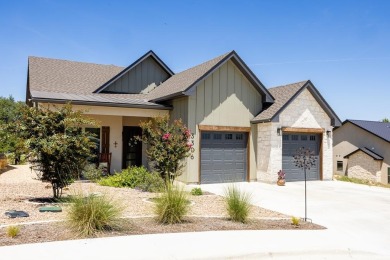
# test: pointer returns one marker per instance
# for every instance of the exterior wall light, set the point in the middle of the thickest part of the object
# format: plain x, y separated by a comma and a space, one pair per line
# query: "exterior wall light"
279, 131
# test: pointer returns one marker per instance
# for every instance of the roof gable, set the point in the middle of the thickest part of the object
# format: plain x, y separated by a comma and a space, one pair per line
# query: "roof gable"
152, 61
367, 151
284, 95
379, 129
185, 83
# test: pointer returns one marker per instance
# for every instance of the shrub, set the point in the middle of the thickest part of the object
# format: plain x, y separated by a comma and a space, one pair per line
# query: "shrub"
92, 173
237, 204
295, 221
13, 231
135, 177
196, 191
172, 206
88, 215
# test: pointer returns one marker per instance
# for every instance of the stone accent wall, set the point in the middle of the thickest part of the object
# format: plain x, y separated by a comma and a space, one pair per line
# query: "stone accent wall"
303, 112
363, 166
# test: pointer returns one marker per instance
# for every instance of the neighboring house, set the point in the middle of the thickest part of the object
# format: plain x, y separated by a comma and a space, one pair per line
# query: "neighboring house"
362, 150
242, 131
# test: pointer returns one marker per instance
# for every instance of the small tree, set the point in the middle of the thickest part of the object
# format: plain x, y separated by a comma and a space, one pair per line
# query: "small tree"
385, 120
58, 147
168, 144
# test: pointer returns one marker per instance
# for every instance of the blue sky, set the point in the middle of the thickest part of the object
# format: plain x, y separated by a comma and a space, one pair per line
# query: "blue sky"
343, 47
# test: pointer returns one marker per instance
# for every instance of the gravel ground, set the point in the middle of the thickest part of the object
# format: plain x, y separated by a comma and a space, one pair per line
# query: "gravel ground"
18, 184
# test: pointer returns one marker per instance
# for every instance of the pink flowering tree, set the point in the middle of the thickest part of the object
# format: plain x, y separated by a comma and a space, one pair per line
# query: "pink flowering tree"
168, 145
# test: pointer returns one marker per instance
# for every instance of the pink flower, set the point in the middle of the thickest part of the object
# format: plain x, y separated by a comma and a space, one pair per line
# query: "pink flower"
189, 144
166, 136
187, 133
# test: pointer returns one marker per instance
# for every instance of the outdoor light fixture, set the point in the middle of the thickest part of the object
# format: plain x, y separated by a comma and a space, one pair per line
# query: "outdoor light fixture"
328, 132
278, 130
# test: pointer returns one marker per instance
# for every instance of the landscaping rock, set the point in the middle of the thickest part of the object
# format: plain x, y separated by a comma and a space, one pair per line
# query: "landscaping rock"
16, 214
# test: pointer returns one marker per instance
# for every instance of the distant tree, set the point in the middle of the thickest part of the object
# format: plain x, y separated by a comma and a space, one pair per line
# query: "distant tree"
385, 120
10, 111
59, 149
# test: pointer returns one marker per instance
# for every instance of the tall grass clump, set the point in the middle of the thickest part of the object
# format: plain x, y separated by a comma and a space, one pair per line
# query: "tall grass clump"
91, 214
13, 231
172, 205
237, 204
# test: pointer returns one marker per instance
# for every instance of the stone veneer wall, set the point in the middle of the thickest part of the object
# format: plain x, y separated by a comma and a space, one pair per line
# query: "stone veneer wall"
303, 112
363, 166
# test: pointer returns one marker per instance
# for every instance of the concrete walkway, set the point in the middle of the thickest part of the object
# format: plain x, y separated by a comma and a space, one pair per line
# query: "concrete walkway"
357, 218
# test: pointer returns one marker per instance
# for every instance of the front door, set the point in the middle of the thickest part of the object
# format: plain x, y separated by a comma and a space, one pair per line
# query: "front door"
132, 152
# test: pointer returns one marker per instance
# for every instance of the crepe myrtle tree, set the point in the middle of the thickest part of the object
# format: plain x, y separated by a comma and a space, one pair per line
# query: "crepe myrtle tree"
59, 149
304, 158
169, 143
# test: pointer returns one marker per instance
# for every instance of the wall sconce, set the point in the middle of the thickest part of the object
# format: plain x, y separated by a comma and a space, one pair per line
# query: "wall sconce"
328, 133
279, 131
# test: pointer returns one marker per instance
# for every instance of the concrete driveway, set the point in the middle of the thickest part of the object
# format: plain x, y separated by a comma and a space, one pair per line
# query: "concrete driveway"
357, 216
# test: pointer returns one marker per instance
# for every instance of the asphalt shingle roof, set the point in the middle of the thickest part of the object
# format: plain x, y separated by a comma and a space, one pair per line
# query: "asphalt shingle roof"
367, 151
380, 129
182, 81
282, 95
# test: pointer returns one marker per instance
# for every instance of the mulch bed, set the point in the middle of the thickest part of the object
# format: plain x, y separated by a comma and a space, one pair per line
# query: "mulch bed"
57, 231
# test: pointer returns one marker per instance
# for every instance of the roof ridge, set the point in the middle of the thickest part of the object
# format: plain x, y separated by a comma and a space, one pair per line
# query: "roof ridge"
286, 85
80, 62
362, 120
200, 64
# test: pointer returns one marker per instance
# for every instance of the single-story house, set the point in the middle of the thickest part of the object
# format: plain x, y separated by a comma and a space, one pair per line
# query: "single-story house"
242, 131
362, 150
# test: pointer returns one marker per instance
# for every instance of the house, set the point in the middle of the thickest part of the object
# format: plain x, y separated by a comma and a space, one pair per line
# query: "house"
362, 150
242, 131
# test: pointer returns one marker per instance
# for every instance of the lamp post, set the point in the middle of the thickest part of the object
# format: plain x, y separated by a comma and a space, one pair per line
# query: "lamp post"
304, 158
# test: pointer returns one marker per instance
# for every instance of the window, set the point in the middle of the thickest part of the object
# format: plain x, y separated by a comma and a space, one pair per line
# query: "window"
294, 137
239, 136
205, 136
312, 138
303, 137
217, 136
228, 136
340, 166
285, 137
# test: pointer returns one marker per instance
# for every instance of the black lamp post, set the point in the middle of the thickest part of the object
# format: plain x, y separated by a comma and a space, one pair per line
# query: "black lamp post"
304, 158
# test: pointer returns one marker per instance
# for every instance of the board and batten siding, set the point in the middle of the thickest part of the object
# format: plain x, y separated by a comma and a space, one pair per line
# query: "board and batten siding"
146, 73
224, 98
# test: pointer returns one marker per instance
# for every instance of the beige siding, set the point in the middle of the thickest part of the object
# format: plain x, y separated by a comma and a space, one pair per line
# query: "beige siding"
217, 103
180, 110
145, 74
350, 137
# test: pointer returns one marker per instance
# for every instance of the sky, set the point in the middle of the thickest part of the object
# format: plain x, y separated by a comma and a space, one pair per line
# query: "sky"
342, 46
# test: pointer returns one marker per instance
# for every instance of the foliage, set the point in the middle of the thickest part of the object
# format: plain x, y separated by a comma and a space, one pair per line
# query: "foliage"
91, 172
10, 142
172, 206
237, 204
385, 120
360, 181
295, 221
58, 148
281, 175
135, 177
13, 231
168, 144
196, 191
88, 215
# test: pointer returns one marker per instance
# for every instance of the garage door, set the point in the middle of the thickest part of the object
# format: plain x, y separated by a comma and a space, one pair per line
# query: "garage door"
223, 157
292, 142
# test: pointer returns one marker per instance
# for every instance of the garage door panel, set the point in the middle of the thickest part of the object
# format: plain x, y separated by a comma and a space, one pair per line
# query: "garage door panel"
223, 157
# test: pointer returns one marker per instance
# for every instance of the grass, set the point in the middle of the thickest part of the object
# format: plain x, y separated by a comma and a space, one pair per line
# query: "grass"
13, 231
91, 214
295, 221
197, 192
172, 205
359, 181
237, 204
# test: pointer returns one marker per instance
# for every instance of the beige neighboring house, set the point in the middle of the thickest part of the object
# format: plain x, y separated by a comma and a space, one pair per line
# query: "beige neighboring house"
362, 150
242, 131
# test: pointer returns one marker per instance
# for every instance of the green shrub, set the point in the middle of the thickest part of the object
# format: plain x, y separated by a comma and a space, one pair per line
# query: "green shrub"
196, 191
135, 177
295, 221
88, 215
172, 206
13, 231
237, 204
92, 173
